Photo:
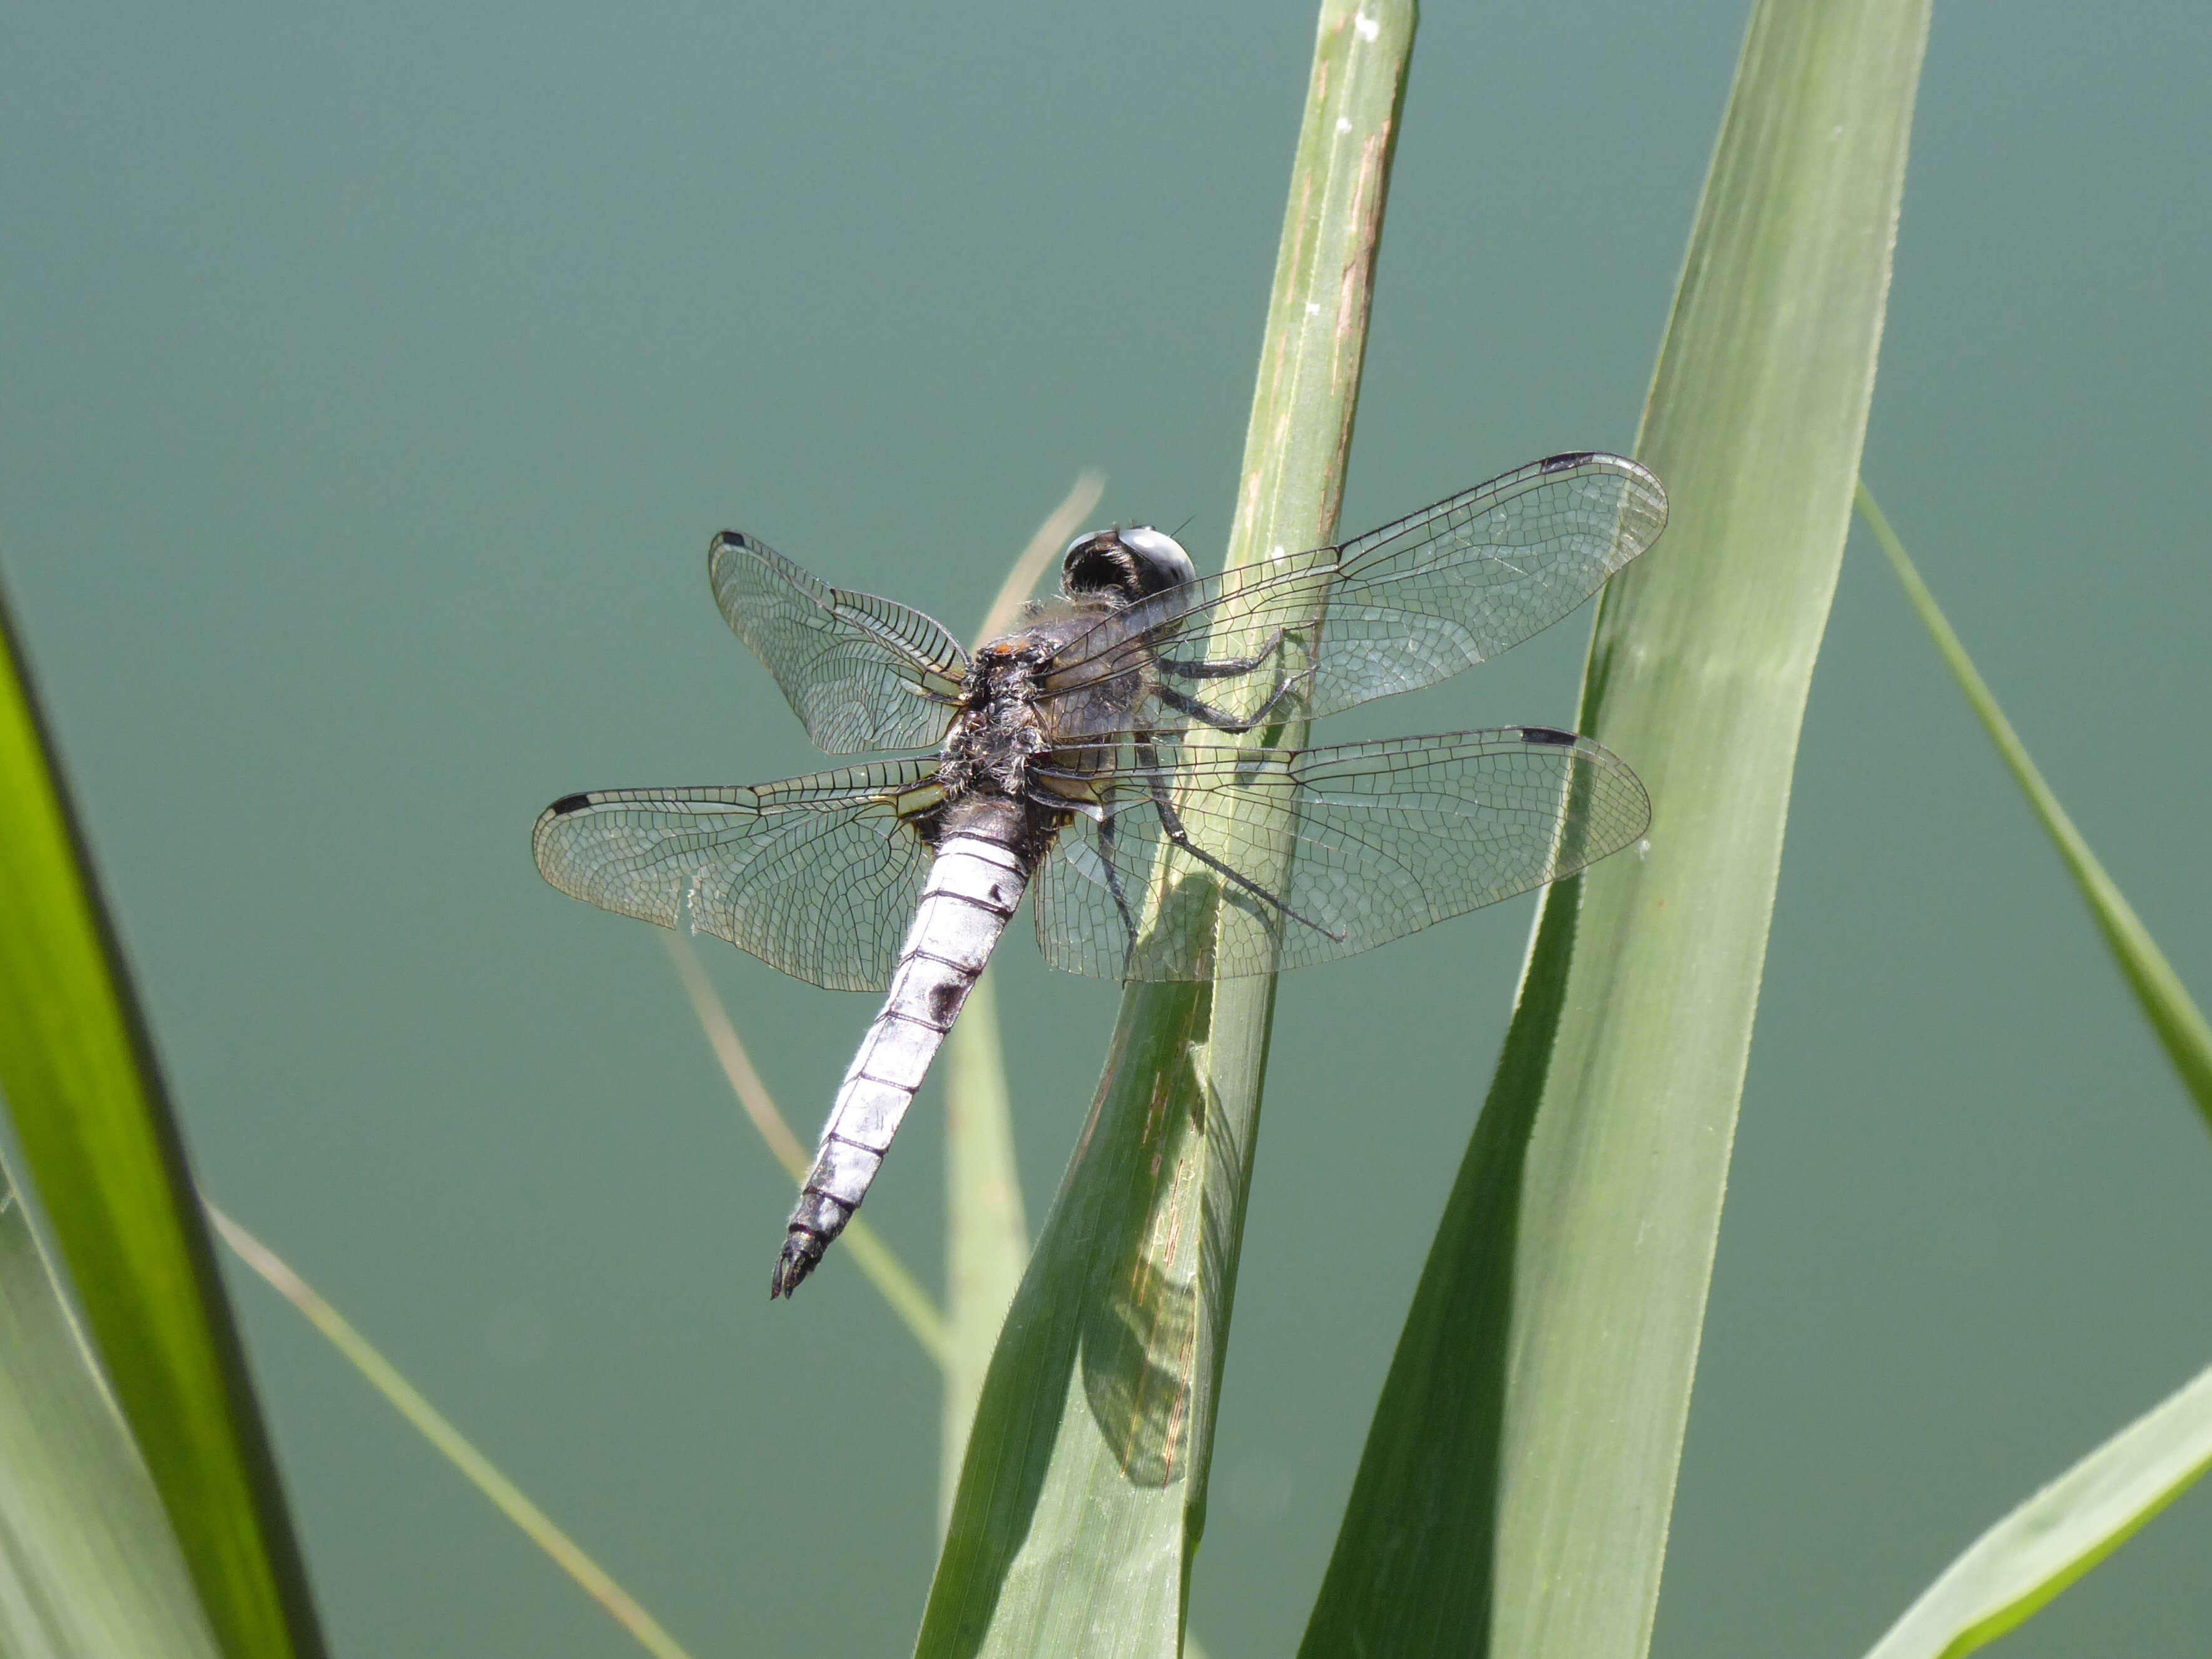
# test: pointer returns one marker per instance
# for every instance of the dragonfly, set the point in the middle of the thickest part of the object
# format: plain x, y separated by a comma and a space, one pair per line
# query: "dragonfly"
1131, 757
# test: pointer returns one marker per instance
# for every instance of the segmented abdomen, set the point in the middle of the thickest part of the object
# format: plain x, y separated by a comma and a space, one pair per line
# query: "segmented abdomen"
974, 887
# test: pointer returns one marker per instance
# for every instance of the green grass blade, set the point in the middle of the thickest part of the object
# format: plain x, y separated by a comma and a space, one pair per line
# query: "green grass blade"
1520, 1470
2021, 1564
426, 1420
1084, 1491
2166, 1002
986, 1238
106, 1159
89, 1567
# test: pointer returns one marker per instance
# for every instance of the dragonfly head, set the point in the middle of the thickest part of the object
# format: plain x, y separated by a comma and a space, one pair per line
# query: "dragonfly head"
1129, 564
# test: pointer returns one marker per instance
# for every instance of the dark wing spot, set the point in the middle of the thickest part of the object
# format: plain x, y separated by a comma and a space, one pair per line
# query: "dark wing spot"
568, 804
1561, 463
1547, 734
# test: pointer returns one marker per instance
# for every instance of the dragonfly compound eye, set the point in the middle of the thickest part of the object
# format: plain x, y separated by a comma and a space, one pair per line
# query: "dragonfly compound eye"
1134, 562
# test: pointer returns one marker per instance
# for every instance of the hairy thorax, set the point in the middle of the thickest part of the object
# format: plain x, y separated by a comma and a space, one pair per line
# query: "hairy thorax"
998, 730
1027, 730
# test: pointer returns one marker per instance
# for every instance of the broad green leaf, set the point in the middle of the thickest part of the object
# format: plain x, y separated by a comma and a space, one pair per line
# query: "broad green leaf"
89, 1567
426, 1420
1514, 1493
107, 1162
2164, 1000
2039, 1550
1083, 1496
986, 1240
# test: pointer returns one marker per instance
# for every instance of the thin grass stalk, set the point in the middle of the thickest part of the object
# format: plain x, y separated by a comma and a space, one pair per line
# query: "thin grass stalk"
88, 1566
866, 1249
2174, 1016
1030, 564
1514, 1493
987, 1240
1082, 1497
428, 1421
107, 1161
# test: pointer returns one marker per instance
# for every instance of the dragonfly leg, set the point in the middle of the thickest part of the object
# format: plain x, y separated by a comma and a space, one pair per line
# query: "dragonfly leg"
1114, 886
1227, 669
1171, 822
1221, 721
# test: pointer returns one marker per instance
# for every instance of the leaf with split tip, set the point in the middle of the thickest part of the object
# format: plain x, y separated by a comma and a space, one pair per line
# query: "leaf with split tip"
1084, 1491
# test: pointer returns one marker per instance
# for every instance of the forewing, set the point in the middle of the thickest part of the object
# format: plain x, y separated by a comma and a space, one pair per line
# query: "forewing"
1401, 607
817, 876
1385, 838
1417, 601
862, 674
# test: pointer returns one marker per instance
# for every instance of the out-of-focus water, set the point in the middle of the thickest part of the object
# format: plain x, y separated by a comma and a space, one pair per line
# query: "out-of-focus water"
374, 381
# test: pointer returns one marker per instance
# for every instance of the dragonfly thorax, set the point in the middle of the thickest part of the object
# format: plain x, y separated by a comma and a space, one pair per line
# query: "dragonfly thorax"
998, 730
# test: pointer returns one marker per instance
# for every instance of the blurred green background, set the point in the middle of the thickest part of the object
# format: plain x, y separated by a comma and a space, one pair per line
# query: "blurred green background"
374, 381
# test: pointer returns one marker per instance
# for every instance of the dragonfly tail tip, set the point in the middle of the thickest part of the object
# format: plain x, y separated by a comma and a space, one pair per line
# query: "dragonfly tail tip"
802, 1251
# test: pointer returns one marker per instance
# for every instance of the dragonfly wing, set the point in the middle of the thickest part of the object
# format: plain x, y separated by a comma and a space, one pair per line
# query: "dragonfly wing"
1418, 601
816, 876
1384, 838
1399, 608
862, 674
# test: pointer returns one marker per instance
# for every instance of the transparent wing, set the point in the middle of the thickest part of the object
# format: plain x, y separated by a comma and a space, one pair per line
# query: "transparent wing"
1384, 838
861, 672
1399, 608
816, 876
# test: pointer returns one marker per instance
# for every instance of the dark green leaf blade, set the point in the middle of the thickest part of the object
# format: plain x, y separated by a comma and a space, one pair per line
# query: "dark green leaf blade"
108, 1165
